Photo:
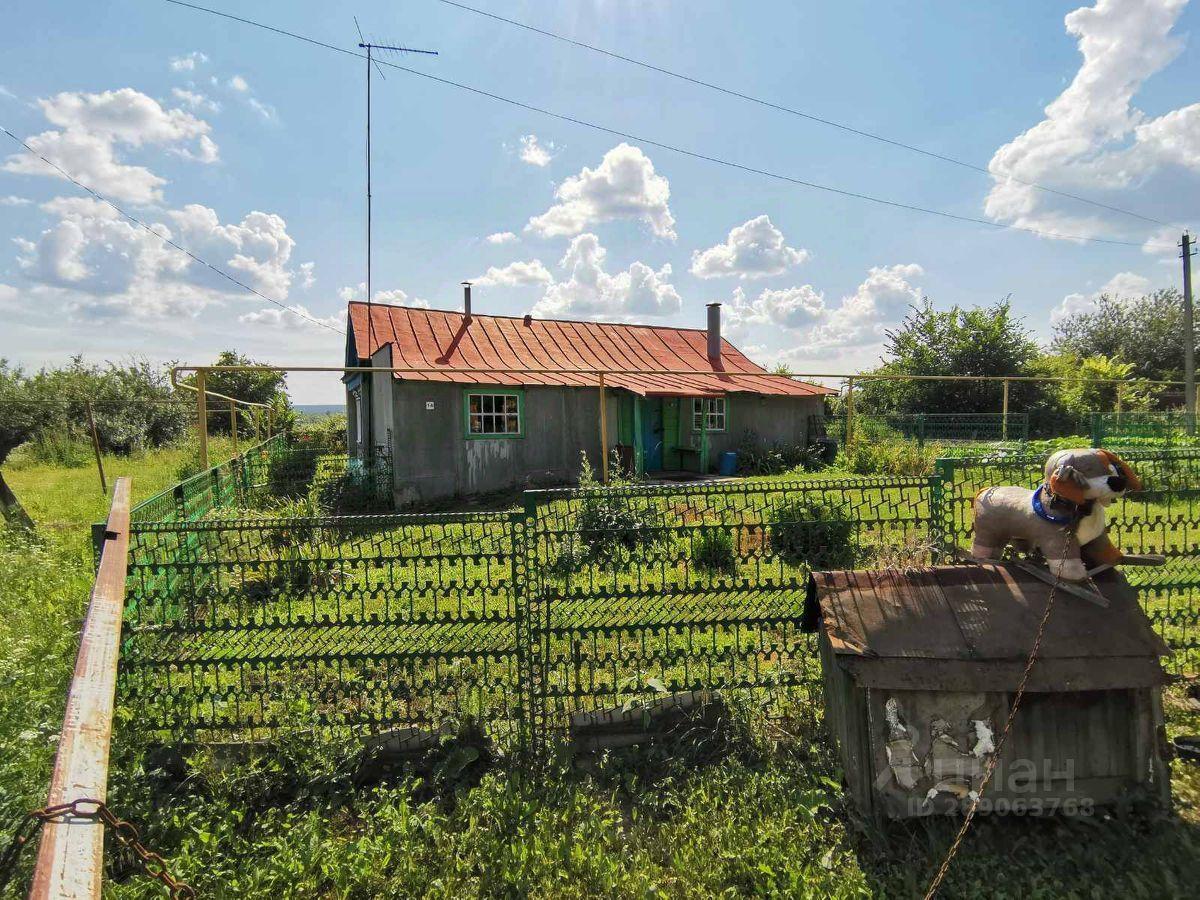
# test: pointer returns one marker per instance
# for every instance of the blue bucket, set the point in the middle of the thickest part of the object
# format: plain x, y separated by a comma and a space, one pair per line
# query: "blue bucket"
727, 464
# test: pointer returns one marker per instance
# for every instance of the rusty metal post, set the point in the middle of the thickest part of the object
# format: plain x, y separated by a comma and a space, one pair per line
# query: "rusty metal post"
70, 855
1004, 414
603, 433
96, 448
233, 425
202, 416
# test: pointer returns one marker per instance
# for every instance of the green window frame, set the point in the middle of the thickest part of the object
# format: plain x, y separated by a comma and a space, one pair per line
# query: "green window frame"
493, 414
715, 408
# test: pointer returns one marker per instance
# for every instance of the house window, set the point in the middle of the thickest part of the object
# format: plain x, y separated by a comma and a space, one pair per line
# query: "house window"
713, 408
494, 414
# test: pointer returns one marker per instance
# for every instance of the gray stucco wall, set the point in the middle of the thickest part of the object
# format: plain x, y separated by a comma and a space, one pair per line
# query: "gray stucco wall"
432, 457
772, 419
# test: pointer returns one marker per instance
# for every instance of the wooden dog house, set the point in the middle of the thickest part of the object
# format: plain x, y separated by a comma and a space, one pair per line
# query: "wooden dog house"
921, 666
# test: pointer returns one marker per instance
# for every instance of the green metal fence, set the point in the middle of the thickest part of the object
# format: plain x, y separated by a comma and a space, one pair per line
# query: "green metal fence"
274, 471
1146, 429
240, 627
921, 427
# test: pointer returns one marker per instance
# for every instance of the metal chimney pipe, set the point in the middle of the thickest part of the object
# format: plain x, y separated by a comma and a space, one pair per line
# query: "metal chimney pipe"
714, 331
467, 298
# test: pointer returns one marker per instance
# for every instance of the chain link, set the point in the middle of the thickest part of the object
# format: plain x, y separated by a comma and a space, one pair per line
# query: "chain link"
125, 832
994, 759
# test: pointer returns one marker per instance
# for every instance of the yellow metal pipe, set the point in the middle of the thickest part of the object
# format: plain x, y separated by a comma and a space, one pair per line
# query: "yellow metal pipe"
1004, 413
202, 417
603, 433
233, 425
858, 376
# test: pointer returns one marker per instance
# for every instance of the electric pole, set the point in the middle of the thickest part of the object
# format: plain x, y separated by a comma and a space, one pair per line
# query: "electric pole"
1189, 334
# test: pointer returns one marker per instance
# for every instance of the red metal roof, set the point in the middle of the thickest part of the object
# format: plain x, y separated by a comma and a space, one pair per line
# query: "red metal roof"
446, 343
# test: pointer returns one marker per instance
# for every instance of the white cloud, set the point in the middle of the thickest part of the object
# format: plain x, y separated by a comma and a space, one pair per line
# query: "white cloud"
8, 296
100, 264
1123, 284
396, 297
239, 84
307, 276
187, 63
623, 186
515, 273
754, 249
809, 323
7, 94
196, 100
793, 307
263, 109
94, 125
14, 200
501, 237
300, 318
534, 153
590, 291
1093, 140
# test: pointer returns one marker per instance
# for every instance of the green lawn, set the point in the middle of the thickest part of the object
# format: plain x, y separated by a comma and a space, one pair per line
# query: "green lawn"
758, 812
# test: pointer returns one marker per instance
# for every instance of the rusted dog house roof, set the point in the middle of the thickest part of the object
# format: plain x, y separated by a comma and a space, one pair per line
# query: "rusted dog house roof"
972, 627
448, 342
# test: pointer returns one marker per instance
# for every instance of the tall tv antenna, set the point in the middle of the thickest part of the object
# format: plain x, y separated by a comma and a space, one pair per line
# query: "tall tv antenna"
371, 47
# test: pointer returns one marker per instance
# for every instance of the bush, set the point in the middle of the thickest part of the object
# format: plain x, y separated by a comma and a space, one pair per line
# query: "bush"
346, 494
815, 532
892, 456
610, 525
712, 550
323, 432
290, 473
755, 457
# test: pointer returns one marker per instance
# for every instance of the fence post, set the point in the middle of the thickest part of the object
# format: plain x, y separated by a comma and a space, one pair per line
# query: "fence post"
202, 415
233, 425
96, 448
941, 510
849, 411
920, 429
1004, 414
1097, 429
603, 433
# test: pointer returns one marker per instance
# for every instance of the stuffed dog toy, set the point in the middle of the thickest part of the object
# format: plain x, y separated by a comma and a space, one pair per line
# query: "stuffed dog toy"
1064, 518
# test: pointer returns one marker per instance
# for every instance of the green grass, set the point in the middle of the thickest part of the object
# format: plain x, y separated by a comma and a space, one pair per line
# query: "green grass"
760, 813
63, 497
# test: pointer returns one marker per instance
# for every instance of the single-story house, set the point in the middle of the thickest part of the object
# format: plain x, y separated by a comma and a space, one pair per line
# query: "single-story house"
454, 431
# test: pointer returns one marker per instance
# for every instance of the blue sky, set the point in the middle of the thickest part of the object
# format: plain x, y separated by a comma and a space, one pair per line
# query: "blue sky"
247, 148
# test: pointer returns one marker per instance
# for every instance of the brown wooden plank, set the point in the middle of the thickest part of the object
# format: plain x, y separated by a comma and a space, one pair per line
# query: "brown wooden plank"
70, 855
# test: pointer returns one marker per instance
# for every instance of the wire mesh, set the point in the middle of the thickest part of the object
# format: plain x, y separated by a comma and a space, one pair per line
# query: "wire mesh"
1143, 429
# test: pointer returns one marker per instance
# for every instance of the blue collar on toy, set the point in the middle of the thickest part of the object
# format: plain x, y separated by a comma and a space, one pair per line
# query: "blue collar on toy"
1044, 513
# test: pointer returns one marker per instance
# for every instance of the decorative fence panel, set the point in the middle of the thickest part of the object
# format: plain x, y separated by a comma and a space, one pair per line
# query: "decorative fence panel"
584, 600
1143, 429
638, 591
241, 628
1163, 518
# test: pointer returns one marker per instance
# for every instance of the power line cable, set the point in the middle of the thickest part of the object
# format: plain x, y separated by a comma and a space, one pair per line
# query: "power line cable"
850, 129
672, 147
166, 240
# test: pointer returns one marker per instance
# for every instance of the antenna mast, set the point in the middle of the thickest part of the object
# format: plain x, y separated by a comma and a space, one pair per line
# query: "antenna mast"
370, 47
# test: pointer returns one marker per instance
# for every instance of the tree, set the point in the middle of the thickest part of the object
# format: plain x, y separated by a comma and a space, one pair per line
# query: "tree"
262, 386
20, 418
1143, 331
1088, 385
986, 340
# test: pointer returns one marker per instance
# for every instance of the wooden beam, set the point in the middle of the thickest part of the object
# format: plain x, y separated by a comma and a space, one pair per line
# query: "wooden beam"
233, 425
70, 855
1004, 413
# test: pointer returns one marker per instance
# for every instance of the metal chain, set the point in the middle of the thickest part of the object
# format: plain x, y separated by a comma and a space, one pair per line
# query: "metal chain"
125, 832
994, 759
